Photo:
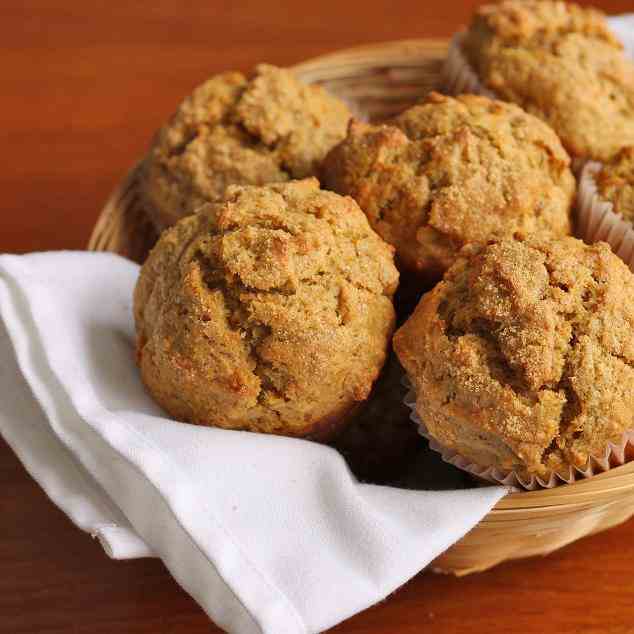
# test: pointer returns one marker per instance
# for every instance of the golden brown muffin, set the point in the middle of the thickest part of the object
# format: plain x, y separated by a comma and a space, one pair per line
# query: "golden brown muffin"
615, 183
452, 171
231, 130
560, 62
270, 311
523, 357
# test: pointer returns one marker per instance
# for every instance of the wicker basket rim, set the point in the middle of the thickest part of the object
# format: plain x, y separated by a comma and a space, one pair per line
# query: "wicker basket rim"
369, 52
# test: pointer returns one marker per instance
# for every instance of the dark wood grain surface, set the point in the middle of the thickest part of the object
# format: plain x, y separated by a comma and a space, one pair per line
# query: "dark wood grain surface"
83, 85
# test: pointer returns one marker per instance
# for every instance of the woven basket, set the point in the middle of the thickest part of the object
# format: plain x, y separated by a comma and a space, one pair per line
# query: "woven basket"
378, 81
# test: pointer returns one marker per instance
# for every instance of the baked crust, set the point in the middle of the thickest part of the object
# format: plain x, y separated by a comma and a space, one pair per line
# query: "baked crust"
560, 62
615, 183
270, 311
234, 130
523, 357
452, 171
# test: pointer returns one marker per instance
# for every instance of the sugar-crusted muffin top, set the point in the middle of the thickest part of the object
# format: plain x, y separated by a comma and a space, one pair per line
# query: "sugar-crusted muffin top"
523, 357
560, 62
615, 183
234, 130
270, 311
452, 171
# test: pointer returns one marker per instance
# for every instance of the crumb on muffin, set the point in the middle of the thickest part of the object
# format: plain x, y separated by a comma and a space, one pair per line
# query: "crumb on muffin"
615, 183
234, 130
452, 171
523, 357
561, 62
270, 311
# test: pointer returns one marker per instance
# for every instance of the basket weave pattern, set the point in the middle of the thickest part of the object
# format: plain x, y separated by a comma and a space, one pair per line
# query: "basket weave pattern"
377, 82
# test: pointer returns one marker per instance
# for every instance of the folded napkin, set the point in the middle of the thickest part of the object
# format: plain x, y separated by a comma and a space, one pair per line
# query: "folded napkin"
268, 534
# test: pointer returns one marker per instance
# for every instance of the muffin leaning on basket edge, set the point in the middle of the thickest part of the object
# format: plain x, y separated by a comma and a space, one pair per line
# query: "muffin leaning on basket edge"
558, 61
237, 131
522, 360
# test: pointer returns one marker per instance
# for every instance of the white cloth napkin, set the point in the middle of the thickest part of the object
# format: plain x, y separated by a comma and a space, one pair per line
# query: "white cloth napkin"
268, 534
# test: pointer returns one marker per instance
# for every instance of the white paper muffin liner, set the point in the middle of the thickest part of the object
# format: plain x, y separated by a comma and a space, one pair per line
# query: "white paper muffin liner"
597, 221
458, 77
615, 454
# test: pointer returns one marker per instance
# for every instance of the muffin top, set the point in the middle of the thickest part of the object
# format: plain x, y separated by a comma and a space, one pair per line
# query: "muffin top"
560, 62
452, 171
231, 130
615, 182
523, 357
270, 311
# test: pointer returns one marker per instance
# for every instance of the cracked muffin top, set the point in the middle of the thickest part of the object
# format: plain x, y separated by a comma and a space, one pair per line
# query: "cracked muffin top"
523, 357
560, 62
270, 311
233, 130
615, 183
452, 171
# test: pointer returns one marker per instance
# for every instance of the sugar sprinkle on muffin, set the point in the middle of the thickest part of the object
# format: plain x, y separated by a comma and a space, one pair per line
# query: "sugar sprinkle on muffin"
452, 171
234, 130
558, 61
523, 357
270, 311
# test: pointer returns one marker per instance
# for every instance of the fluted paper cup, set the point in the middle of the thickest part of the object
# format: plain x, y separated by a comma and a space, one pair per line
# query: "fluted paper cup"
597, 221
614, 454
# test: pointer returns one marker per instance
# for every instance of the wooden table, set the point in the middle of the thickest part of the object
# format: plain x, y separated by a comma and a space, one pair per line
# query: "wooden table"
83, 86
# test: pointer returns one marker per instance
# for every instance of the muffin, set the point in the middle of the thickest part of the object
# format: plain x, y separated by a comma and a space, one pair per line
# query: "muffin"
605, 204
233, 130
522, 358
559, 62
451, 171
270, 311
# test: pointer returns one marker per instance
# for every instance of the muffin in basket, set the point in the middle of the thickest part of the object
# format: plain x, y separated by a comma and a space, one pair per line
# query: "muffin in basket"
558, 61
522, 359
270, 311
605, 203
234, 130
451, 171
